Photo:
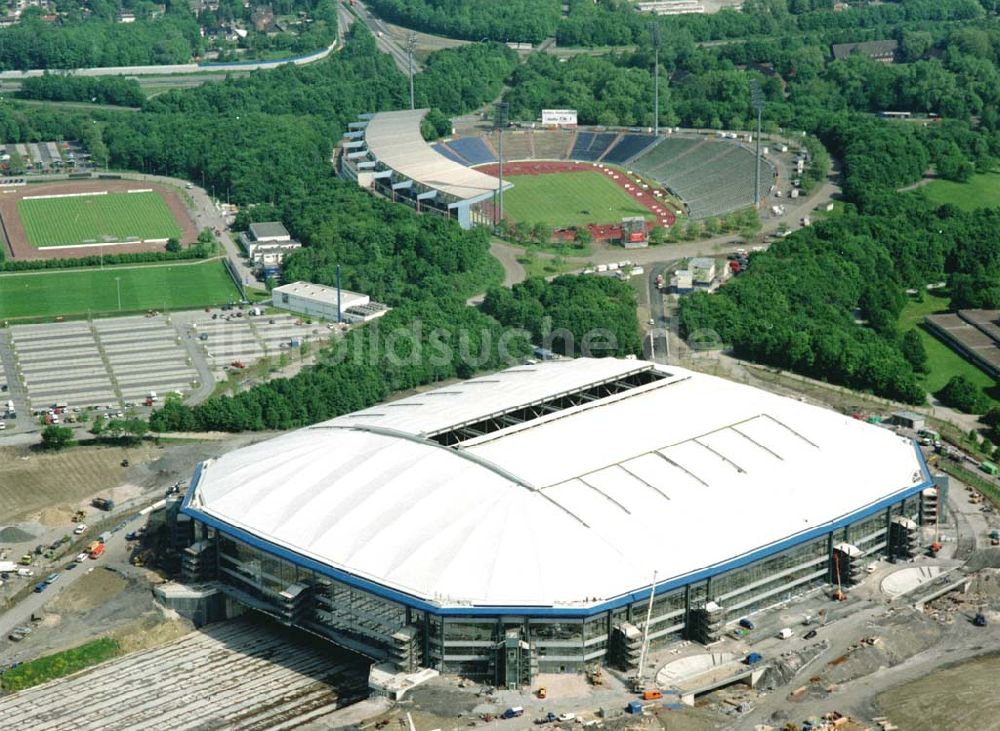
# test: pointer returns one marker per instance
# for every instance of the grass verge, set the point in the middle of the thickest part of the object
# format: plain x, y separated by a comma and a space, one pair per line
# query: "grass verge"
57, 665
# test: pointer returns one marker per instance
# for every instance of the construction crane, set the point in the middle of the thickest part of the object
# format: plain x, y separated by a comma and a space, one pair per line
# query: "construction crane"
637, 684
936, 545
839, 595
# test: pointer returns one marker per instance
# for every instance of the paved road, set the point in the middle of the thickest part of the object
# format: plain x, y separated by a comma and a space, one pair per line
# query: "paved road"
181, 68
116, 553
385, 39
15, 392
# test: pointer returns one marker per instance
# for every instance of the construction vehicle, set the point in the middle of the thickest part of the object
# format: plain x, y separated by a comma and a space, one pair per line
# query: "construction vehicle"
636, 681
934, 548
651, 695
839, 595
594, 676
979, 620
542, 693
103, 503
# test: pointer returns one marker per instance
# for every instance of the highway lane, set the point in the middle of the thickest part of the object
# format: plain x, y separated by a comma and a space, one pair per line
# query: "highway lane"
384, 39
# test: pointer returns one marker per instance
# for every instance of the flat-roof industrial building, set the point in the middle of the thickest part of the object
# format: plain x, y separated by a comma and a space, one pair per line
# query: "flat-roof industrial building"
512, 524
328, 303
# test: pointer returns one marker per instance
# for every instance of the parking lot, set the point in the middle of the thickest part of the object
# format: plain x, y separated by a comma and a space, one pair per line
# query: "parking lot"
115, 363
234, 339
101, 363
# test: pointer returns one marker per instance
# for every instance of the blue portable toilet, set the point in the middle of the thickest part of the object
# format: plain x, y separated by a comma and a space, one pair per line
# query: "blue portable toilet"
634, 707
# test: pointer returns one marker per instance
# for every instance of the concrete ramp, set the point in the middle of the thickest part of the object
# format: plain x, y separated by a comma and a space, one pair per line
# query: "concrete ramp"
679, 671
906, 580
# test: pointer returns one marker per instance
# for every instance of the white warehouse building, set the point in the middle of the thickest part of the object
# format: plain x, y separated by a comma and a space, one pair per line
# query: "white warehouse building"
511, 524
326, 303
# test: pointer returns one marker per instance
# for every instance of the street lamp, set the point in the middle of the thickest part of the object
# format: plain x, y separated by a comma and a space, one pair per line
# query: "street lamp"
757, 101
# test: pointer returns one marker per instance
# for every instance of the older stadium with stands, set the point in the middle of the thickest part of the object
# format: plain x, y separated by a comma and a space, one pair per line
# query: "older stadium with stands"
711, 175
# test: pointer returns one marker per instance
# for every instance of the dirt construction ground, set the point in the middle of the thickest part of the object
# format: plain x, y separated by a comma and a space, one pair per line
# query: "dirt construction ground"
16, 244
52, 485
960, 696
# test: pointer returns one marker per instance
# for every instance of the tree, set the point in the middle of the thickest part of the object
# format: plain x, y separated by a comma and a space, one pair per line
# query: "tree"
962, 394
100, 422
173, 245
912, 346
56, 437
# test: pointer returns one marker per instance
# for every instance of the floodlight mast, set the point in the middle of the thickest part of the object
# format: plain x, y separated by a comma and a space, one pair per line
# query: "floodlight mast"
654, 30
757, 101
411, 44
500, 120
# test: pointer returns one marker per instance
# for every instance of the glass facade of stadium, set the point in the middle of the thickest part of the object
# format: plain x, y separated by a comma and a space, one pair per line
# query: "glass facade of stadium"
510, 648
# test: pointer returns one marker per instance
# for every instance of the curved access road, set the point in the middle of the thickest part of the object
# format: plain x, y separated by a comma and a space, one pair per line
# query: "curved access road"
179, 68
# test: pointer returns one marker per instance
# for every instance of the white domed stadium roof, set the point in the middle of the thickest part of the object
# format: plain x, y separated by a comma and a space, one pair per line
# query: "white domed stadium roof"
559, 484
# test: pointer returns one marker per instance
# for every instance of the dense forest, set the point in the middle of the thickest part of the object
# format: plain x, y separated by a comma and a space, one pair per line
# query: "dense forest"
617, 23
571, 315
522, 21
97, 89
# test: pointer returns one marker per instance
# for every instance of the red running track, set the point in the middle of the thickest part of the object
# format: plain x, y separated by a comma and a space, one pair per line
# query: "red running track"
599, 232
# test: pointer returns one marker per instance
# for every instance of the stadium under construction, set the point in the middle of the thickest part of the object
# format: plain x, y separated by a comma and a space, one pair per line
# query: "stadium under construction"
516, 523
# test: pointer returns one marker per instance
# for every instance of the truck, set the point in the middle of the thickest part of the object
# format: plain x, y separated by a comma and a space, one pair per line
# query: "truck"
513, 712
753, 658
785, 633
104, 537
103, 503
7, 567
97, 550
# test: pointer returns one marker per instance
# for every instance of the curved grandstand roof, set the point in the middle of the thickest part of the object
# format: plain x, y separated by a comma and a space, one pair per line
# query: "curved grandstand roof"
394, 139
562, 484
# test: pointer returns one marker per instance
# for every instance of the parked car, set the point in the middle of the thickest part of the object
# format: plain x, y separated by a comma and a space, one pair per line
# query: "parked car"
40, 587
810, 634
80, 528
51, 578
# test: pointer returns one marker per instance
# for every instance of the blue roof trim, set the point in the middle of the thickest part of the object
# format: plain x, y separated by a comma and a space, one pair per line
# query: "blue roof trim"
549, 611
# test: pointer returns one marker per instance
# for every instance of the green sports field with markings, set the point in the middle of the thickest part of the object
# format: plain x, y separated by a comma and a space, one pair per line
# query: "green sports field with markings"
94, 219
76, 292
568, 199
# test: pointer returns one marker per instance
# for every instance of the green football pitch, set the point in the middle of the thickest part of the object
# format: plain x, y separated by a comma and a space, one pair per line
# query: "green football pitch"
569, 199
96, 218
72, 292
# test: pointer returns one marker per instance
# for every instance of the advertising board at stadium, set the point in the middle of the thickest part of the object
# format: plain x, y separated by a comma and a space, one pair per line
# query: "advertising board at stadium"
559, 116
